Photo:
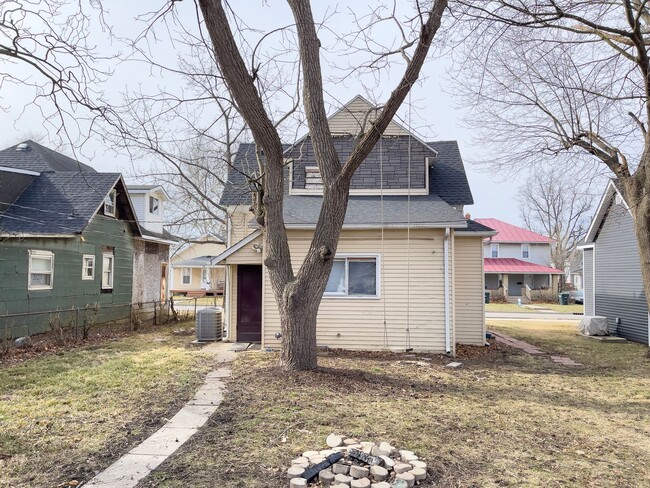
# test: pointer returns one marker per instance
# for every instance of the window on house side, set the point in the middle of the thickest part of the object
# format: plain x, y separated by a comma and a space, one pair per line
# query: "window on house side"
88, 267
525, 251
494, 250
313, 179
153, 205
187, 276
109, 203
354, 277
41, 270
108, 262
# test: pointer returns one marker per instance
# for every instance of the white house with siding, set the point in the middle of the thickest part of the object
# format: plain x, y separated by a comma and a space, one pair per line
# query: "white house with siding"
613, 286
408, 273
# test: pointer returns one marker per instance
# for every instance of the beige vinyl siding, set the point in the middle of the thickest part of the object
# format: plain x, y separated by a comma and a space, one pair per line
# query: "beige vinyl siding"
217, 274
240, 218
351, 119
197, 249
469, 290
415, 298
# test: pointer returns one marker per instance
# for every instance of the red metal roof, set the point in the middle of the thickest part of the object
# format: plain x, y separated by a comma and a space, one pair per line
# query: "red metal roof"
512, 265
511, 233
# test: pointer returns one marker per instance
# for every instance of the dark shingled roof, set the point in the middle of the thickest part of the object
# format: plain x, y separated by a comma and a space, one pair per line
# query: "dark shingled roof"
447, 178
473, 226
57, 203
40, 159
164, 235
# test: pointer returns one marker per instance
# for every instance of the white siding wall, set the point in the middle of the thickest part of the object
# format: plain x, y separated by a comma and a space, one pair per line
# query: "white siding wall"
139, 206
415, 297
469, 290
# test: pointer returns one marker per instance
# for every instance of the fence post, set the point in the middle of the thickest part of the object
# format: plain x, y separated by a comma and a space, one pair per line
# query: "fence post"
195, 302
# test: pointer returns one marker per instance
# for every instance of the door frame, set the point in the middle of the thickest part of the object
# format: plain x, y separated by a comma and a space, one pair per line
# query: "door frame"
239, 301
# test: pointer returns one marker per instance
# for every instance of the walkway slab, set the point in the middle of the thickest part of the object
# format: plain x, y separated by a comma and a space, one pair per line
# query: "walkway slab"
533, 350
127, 471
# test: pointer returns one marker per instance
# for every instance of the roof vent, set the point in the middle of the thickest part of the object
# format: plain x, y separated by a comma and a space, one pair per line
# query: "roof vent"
23, 146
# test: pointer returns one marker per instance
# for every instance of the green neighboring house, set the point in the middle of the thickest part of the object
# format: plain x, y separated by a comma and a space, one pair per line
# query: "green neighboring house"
67, 240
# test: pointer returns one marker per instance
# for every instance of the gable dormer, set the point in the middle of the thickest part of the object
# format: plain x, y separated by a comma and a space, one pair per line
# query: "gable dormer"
149, 202
12, 183
399, 163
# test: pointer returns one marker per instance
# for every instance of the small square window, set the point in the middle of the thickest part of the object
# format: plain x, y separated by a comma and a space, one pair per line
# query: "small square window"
88, 267
353, 277
154, 204
109, 203
41, 270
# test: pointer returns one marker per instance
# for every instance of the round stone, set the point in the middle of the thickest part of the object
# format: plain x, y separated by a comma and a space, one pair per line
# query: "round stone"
385, 446
381, 484
399, 484
402, 467
309, 454
418, 473
339, 485
334, 440
295, 472
407, 458
340, 468
326, 452
350, 441
326, 477
297, 482
408, 477
388, 462
360, 483
404, 452
300, 460
419, 464
359, 472
367, 447
317, 459
343, 479
378, 473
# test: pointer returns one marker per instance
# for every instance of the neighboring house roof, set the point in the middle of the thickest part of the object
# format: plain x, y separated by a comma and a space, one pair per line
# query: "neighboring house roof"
475, 227
165, 236
513, 234
39, 158
613, 189
197, 262
58, 203
512, 265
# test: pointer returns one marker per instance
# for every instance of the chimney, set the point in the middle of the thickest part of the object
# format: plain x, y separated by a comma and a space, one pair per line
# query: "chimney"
468, 216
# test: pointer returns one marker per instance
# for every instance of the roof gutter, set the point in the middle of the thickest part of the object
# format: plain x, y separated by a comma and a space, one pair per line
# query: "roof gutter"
451, 225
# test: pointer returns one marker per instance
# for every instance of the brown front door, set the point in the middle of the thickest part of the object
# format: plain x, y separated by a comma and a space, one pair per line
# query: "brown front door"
249, 303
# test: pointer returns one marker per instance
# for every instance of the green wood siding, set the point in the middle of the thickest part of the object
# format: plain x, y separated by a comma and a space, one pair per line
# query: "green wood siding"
69, 290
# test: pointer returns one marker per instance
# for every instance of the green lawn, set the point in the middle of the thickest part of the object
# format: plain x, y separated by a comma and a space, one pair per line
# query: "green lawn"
502, 419
65, 415
513, 307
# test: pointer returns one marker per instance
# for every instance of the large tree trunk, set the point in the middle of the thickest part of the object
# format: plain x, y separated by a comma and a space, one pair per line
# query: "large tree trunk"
639, 202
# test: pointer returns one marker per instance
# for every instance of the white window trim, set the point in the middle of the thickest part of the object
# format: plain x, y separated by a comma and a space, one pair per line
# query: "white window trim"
377, 258
522, 250
182, 276
497, 245
111, 285
107, 202
40, 254
83, 267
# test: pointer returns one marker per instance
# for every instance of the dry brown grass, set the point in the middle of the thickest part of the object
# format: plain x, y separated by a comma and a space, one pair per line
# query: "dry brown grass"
503, 419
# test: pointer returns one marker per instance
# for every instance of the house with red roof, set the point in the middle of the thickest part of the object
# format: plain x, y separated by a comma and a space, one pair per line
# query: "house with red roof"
517, 261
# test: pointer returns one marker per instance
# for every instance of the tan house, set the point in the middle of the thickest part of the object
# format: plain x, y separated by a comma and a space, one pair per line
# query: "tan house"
193, 270
408, 273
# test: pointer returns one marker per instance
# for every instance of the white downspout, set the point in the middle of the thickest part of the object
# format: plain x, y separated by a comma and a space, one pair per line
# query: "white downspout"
226, 304
447, 318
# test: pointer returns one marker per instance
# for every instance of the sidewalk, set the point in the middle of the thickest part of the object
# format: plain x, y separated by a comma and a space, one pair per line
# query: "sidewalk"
127, 471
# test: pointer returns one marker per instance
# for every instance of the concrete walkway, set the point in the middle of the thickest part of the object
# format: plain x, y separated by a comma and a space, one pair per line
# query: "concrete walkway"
533, 350
127, 471
533, 315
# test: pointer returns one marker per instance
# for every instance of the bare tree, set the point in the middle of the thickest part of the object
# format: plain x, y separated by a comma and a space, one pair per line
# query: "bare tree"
46, 46
564, 77
557, 205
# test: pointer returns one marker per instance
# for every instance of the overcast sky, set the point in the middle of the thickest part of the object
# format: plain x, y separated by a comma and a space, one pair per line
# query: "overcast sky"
437, 116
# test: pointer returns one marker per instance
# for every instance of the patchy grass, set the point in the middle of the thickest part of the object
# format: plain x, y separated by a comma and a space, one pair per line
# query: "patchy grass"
65, 416
503, 419
513, 307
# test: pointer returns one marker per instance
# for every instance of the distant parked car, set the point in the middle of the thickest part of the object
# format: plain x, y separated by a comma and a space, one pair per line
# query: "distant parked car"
577, 297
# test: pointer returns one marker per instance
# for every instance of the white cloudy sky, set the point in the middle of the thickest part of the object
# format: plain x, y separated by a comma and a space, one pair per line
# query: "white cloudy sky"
437, 117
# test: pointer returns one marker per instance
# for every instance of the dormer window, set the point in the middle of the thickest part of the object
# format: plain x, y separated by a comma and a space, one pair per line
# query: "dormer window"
154, 204
313, 179
109, 203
